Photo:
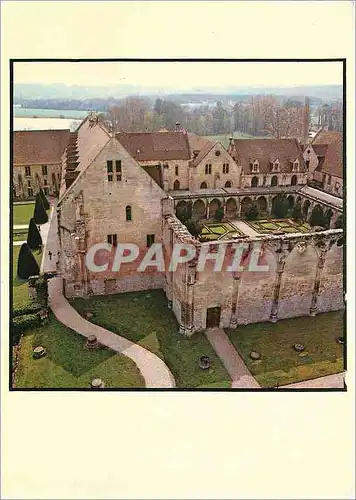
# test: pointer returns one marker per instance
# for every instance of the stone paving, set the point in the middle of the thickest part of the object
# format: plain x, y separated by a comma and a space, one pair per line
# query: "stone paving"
329, 382
238, 371
153, 369
244, 228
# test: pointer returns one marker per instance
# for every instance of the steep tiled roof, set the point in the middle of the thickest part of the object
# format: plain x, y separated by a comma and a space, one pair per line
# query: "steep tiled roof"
333, 164
266, 150
152, 146
155, 173
39, 146
326, 137
203, 152
320, 149
196, 142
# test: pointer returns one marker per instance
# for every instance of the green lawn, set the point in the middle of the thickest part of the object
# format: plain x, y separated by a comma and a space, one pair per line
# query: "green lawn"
20, 234
280, 364
144, 317
19, 286
23, 212
68, 364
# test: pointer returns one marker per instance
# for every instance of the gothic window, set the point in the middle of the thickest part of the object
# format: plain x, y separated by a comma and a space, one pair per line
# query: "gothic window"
203, 185
44, 169
27, 171
150, 239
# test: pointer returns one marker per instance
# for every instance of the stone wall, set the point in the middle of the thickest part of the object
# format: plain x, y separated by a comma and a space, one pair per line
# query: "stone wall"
94, 208
217, 178
303, 277
50, 182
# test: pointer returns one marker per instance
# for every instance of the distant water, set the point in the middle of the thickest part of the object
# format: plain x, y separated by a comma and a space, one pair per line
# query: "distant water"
45, 123
49, 113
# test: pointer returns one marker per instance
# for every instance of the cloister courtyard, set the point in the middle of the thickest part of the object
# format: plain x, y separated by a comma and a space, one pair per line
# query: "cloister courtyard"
227, 217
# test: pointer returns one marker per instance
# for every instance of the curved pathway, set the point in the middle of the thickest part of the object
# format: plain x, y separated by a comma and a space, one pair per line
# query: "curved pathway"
152, 368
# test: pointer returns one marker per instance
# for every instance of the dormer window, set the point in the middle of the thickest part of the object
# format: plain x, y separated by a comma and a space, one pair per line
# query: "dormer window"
295, 167
275, 166
255, 166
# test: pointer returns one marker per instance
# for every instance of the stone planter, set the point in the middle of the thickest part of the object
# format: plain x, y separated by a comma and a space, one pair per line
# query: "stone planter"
340, 340
204, 362
299, 347
255, 355
97, 383
39, 352
91, 343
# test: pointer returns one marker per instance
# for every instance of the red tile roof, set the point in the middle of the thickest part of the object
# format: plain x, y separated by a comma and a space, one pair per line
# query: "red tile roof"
326, 137
266, 151
39, 146
333, 161
152, 146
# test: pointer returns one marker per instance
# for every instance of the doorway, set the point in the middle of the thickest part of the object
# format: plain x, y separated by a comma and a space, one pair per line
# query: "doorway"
213, 317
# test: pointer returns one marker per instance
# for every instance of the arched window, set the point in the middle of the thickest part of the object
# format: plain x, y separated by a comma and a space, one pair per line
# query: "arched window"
293, 181
176, 185
254, 182
128, 212
228, 184
203, 185
274, 181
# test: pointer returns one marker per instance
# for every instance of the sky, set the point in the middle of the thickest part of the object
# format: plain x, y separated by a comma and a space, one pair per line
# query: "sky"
180, 75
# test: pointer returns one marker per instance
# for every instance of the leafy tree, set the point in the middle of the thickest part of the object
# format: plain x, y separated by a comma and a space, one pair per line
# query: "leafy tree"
185, 212
297, 211
194, 227
26, 265
219, 214
317, 217
252, 212
44, 199
34, 239
280, 206
40, 214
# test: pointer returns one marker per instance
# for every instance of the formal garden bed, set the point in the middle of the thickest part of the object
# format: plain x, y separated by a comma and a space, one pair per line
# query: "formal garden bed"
269, 225
144, 318
218, 230
280, 362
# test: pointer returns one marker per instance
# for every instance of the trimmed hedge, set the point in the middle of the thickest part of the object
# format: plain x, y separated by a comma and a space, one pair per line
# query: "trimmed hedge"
22, 323
31, 309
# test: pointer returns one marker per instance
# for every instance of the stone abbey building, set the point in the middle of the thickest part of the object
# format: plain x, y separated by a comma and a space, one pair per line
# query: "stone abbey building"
126, 188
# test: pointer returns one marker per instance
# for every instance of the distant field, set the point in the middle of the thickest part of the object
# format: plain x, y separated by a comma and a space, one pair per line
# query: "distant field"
225, 138
49, 113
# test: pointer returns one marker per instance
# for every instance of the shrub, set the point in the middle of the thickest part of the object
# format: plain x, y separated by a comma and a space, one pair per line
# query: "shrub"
44, 199
252, 212
280, 206
22, 323
297, 211
30, 309
317, 217
34, 239
194, 227
26, 264
40, 214
219, 214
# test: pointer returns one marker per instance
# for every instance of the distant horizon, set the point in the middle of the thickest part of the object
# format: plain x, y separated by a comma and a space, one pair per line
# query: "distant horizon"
180, 75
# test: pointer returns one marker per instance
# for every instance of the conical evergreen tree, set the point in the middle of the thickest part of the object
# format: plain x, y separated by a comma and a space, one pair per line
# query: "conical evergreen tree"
44, 199
26, 265
40, 214
34, 239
